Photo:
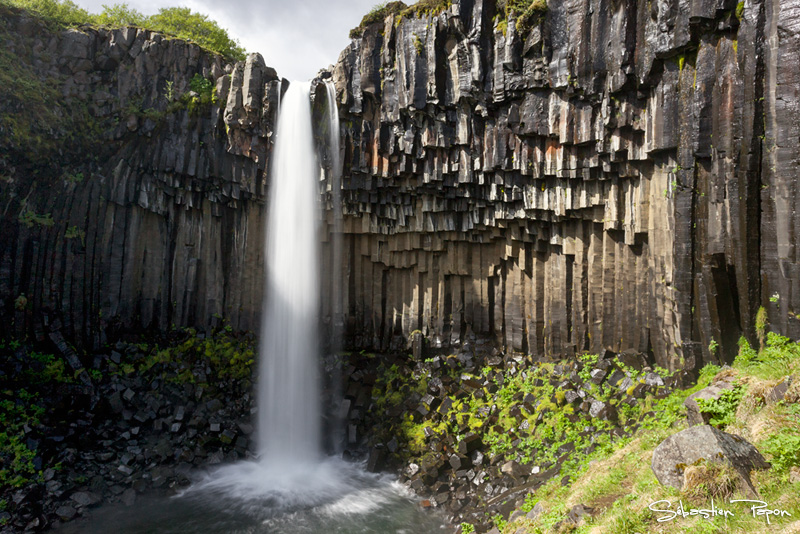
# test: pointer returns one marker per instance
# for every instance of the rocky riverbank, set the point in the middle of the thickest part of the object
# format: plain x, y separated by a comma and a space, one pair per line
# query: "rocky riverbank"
136, 419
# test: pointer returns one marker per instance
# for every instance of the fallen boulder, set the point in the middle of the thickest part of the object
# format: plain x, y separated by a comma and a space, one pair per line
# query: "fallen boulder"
680, 450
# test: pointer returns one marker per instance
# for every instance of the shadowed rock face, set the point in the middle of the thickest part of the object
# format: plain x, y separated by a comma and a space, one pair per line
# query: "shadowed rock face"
619, 176
160, 223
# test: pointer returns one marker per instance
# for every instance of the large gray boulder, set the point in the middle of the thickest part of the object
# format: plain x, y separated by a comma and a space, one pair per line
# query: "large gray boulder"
680, 450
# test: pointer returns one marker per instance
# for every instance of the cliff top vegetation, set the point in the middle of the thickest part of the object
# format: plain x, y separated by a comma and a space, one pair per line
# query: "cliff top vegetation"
180, 22
399, 10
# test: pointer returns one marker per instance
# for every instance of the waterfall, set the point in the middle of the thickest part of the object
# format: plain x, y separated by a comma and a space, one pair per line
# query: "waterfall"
338, 434
336, 197
288, 397
292, 487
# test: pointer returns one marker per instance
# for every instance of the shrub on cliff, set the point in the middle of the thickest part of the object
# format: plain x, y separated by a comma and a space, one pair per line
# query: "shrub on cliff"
186, 24
181, 22
120, 15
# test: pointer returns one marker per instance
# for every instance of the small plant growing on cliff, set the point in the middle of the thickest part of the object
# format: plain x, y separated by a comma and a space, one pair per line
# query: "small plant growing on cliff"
527, 13
713, 346
169, 91
20, 303
761, 326
75, 232
73, 177
418, 45
201, 85
204, 93
30, 217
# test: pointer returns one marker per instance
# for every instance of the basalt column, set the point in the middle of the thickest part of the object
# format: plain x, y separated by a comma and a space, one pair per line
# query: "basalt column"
617, 175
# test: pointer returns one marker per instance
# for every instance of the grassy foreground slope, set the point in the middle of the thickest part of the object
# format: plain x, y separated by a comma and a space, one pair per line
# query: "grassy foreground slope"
619, 487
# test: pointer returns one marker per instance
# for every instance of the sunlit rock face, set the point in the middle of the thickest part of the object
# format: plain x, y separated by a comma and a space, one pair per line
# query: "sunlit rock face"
617, 176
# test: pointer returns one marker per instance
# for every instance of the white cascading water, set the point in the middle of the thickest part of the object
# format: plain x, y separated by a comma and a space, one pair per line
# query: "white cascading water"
290, 471
288, 396
335, 180
337, 318
292, 488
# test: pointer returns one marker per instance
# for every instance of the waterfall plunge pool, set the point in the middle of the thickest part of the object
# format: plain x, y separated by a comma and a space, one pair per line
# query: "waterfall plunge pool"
330, 497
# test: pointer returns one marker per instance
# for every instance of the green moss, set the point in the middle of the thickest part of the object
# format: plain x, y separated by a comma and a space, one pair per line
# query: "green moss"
502, 26
425, 8
74, 232
418, 44
30, 218
527, 13
739, 10
221, 355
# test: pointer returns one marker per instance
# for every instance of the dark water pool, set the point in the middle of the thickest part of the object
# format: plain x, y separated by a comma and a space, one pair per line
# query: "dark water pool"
329, 498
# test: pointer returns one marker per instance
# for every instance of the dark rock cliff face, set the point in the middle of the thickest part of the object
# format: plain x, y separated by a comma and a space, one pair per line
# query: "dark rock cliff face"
619, 176
622, 175
157, 221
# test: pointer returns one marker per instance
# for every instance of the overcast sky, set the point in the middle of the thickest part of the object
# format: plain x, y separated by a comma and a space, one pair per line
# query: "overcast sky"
296, 37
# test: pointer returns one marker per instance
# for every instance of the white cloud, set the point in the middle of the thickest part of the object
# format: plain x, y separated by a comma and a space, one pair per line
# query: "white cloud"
297, 38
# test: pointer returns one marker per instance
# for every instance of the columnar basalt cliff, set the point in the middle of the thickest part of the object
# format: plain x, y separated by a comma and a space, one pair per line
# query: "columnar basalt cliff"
156, 218
621, 175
